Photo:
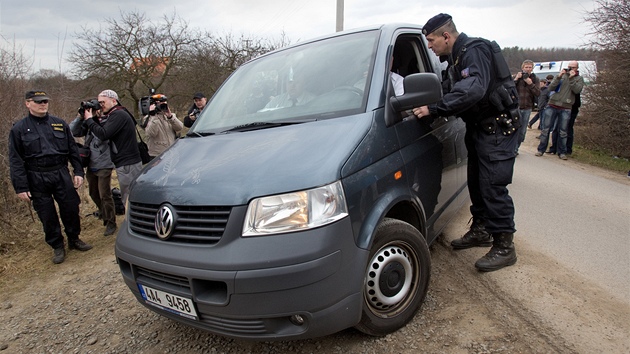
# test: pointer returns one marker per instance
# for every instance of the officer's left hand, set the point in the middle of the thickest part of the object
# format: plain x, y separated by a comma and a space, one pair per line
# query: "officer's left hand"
78, 181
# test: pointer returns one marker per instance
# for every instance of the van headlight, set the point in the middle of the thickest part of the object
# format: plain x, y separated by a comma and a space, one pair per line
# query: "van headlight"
295, 211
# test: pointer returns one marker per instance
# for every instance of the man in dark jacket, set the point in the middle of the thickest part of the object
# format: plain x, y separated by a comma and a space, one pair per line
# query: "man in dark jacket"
196, 108
119, 128
40, 147
98, 173
491, 152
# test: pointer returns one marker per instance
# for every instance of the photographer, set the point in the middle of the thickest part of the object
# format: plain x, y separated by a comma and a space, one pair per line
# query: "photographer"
100, 167
567, 87
198, 106
528, 87
161, 125
119, 128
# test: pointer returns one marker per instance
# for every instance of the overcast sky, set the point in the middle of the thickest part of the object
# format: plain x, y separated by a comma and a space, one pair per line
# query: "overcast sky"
45, 30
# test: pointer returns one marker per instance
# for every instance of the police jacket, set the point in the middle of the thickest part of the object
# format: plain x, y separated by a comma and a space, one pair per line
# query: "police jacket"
470, 73
119, 128
41, 144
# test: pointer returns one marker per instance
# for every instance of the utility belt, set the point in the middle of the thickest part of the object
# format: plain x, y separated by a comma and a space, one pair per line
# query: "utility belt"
44, 168
506, 123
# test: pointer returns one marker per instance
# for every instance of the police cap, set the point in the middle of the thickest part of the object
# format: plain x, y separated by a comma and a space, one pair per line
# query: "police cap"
435, 22
36, 95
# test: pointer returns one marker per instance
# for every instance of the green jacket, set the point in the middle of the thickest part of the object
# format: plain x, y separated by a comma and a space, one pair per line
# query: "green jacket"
564, 96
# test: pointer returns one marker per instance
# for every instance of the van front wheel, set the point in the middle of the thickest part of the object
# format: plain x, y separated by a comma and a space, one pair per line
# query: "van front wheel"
396, 278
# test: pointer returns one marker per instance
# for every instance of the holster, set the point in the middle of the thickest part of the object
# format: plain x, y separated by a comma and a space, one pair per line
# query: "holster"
488, 125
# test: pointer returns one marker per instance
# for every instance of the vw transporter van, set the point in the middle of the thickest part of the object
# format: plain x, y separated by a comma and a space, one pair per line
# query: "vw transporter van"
303, 199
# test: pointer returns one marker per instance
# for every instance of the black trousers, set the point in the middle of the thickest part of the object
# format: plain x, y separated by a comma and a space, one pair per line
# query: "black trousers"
56, 186
490, 169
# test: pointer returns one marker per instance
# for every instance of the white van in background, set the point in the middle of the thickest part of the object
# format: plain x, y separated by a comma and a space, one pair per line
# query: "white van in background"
587, 68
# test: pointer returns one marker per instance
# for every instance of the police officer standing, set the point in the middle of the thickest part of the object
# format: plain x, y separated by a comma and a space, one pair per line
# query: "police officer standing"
40, 146
491, 147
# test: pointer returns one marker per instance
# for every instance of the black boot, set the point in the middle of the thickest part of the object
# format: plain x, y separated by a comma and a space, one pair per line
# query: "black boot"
477, 236
502, 253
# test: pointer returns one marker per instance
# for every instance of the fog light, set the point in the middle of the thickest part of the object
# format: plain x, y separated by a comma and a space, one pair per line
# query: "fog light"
297, 320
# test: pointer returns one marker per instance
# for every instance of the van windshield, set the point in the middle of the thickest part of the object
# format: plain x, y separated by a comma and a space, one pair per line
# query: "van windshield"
323, 79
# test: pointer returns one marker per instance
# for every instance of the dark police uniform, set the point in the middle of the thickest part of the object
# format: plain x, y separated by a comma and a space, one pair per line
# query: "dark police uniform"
491, 156
39, 151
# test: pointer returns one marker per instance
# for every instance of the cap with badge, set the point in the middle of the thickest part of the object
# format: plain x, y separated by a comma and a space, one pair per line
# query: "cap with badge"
37, 95
435, 22
199, 95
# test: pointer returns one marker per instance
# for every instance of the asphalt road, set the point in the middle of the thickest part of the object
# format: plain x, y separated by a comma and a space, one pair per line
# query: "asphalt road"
580, 218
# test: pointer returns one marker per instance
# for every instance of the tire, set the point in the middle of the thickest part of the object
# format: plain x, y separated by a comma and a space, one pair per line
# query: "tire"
396, 278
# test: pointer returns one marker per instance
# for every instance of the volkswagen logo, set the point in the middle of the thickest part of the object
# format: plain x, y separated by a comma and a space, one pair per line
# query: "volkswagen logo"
165, 222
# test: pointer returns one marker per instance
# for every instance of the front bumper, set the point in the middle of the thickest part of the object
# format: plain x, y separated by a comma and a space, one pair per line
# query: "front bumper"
251, 287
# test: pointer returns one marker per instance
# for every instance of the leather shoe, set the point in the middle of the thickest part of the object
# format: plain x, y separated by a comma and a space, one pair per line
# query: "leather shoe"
79, 245
111, 228
60, 255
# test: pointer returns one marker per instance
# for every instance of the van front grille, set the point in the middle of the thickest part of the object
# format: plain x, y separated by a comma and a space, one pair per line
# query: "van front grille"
194, 224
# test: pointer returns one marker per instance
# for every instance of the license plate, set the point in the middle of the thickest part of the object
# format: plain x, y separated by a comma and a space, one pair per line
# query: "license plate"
169, 302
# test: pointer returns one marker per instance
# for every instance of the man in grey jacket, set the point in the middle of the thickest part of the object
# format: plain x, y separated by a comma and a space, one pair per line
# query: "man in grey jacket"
566, 85
99, 173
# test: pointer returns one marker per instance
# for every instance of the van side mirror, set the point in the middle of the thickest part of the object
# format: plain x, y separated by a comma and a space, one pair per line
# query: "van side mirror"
420, 90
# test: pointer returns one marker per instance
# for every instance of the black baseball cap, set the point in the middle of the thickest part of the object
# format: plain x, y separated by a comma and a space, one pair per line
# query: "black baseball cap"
36, 95
435, 22
199, 95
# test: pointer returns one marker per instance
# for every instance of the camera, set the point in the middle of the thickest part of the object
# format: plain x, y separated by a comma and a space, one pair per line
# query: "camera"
159, 100
524, 75
91, 105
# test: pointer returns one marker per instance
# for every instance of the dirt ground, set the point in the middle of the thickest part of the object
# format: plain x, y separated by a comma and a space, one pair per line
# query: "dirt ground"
536, 306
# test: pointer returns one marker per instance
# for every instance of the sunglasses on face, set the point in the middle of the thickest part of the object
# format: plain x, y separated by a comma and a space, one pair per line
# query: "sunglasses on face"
40, 101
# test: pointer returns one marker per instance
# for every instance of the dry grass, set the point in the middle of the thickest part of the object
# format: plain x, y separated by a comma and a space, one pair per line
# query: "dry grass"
24, 252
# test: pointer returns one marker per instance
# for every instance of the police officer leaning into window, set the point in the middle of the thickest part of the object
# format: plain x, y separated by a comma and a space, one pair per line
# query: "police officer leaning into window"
40, 147
491, 154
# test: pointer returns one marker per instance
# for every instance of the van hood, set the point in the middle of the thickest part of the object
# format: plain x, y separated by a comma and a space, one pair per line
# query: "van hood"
231, 169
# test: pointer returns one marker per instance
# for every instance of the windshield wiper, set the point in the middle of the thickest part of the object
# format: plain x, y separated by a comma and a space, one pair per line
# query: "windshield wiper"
199, 134
262, 125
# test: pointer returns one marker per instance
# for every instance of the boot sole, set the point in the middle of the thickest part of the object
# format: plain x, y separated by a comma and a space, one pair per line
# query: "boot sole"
491, 269
463, 247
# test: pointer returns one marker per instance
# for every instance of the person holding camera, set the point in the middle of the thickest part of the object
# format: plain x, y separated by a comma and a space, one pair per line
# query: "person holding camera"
40, 147
567, 85
528, 87
161, 125
100, 166
198, 106
119, 127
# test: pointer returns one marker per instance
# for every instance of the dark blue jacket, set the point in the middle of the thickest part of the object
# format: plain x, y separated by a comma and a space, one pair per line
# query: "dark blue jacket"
471, 77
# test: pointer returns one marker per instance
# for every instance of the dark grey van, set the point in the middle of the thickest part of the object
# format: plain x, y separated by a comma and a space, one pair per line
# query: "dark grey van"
302, 200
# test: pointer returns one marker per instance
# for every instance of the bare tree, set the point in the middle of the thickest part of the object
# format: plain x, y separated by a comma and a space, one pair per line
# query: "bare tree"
14, 68
133, 55
607, 100
215, 58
